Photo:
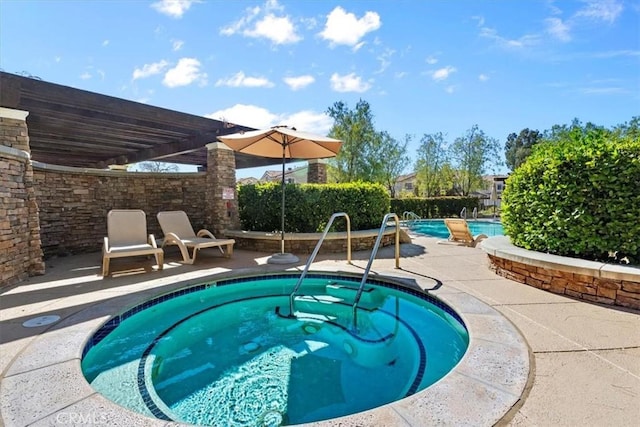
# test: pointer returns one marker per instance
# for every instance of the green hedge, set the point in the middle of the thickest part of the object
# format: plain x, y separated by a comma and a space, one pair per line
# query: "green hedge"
579, 197
308, 207
435, 207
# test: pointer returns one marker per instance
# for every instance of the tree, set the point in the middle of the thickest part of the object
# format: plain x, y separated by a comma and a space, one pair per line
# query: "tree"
359, 142
518, 147
631, 129
432, 157
393, 160
471, 154
153, 166
559, 133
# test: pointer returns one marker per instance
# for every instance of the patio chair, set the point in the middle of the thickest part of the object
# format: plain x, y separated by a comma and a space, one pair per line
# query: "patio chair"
178, 231
459, 232
127, 237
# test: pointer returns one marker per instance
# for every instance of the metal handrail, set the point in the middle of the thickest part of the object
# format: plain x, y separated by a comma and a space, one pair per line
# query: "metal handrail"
407, 215
315, 253
372, 257
463, 213
474, 214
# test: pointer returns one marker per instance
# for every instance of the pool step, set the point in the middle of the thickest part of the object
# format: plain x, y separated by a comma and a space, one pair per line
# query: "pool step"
369, 299
322, 306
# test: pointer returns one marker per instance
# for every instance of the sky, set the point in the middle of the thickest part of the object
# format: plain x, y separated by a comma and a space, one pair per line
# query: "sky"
423, 66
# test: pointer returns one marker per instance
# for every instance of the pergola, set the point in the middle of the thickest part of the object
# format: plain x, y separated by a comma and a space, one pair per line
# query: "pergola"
73, 127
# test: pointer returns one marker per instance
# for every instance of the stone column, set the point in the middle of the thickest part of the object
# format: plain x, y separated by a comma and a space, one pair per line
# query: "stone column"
220, 193
20, 245
317, 171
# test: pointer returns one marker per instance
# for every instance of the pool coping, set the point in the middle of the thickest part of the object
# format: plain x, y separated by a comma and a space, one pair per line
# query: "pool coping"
486, 384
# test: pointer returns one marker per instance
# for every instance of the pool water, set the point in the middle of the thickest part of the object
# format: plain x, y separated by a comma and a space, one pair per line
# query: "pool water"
230, 354
437, 228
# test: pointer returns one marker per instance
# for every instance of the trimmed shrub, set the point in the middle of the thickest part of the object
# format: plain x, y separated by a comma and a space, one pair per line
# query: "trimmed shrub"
435, 207
578, 197
308, 207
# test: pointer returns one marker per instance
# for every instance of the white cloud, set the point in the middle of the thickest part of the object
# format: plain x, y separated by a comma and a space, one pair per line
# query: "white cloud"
601, 10
246, 115
451, 88
431, 60
299, 82
596, 55
280, 30
186, 72
176, 45
173, 8
310, 121
385, 60
558, 29
349, 83
483, 77
261, 118
603, 90
237, 26
443, 73
520, 43
148, 70
344, 28
480, 20
85, 76
241, 80
105, 43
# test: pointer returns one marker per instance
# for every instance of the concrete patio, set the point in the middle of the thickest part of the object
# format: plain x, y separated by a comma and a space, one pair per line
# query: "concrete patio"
584, 365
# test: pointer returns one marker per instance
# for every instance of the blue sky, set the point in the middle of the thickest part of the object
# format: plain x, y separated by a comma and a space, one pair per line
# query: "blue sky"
423, 66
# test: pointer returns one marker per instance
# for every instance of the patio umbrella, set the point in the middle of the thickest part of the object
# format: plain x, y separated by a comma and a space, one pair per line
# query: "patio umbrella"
288, 143
493, 198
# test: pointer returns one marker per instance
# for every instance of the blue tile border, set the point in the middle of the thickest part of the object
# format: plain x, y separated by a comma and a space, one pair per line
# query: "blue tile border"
388, 282
115, 321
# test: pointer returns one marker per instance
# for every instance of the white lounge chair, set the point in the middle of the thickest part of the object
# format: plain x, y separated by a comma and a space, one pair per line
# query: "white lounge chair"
127, 236
459, 232
178, 231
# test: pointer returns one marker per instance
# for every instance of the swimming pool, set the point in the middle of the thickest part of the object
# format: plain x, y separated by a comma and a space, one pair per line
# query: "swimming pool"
228, 353
436, 227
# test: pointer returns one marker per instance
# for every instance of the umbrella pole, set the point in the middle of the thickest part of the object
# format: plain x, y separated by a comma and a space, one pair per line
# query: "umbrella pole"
282, 213
282, 257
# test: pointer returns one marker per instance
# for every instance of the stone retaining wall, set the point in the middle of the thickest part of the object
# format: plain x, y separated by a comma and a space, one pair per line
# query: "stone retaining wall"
305, 243
586, 280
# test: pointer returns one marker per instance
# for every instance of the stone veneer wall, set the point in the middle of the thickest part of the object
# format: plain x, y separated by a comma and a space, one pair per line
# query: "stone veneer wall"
583, 286
20, 252
217, 184
316, 172
74, 203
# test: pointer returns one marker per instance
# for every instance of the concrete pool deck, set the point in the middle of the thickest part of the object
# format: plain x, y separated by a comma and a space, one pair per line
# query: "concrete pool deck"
584, 358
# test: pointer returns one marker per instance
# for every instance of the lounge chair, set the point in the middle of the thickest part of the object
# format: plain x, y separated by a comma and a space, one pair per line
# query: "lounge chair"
178, 231
459, 232
127, 236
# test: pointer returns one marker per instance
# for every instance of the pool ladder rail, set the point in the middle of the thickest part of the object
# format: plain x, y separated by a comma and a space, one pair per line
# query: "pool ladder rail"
315, 253
374, 252
474, 214
408, 218
365, 275
408, 215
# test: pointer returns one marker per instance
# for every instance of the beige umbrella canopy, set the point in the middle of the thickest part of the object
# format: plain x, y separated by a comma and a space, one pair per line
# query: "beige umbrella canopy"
288, 143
